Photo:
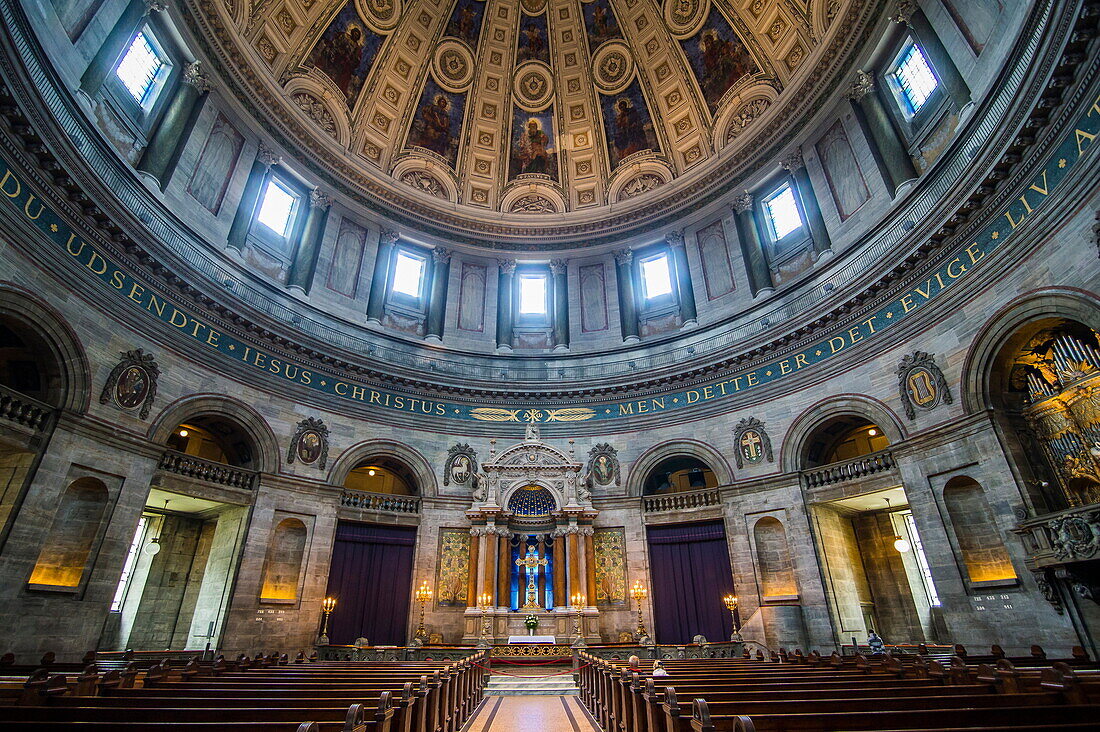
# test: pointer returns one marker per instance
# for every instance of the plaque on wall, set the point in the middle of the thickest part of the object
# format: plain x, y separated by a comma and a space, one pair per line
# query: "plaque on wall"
461, 465
132, 383
603, 465
753, 444
310, 443
921, 383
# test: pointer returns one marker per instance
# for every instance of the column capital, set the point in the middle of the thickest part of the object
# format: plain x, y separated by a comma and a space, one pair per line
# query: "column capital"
507, 266
675, 238
743, 203
559, 266
624, 256
861, 87
267, 156
441, 255
385, 236
193, 76
319, 200
793, 161
155, 6
905, 12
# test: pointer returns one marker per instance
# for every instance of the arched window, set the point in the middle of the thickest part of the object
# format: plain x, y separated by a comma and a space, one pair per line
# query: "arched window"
773, 558
283, 565
983, 549
64, 554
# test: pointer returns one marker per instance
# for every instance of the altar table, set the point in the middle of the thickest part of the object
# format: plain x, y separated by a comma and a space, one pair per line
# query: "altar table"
525, 640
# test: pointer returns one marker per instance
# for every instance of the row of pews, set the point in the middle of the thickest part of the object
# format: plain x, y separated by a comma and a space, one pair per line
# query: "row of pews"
268, 693
784, 692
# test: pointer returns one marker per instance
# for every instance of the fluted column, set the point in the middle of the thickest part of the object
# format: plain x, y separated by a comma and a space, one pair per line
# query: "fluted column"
113, 46
590, 564
474, 569
807, 197
628, 306
505, 282
437, 302
892, 159
573, 559
162, 154
504, 570
381, 278
305, 260
250, 198
542, 574
560, 271
561, 598
756, 264
684, 288
489, 585
954, 84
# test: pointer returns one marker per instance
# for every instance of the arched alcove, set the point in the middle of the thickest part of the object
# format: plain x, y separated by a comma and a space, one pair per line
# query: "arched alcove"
821, 432
64, 555
383, 474
773, 558
689, 455
283, 564
983, 549
240, 431
400, 460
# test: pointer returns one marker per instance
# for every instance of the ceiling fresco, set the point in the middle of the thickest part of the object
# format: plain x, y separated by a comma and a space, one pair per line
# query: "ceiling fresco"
527, 110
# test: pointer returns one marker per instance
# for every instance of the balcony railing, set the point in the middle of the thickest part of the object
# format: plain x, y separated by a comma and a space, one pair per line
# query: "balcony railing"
682, 500
380, 502
860, 467
24, 411
190, 466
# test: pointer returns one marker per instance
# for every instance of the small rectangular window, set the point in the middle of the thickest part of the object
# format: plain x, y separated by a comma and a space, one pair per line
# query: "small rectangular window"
532, 295
656, 277
782, 213
922, 560
140, 67
408, 274
914, 77
128, 565
277, 207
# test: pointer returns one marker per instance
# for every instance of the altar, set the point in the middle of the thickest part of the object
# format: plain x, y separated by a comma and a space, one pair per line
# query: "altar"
523, 640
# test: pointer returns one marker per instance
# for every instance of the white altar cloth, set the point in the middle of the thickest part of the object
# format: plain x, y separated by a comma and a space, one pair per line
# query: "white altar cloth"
523, 640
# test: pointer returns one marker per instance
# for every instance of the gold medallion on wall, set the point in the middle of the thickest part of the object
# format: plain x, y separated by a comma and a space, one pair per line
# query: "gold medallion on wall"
533, 86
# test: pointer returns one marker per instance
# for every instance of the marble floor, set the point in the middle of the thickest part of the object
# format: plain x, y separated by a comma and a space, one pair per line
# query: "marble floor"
531, 714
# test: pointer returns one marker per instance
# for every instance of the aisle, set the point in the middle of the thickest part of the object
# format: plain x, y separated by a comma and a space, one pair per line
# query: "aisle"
527, 713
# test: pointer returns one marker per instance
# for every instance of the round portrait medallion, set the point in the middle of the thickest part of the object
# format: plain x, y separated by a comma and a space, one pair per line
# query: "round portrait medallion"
132, 387
309, 447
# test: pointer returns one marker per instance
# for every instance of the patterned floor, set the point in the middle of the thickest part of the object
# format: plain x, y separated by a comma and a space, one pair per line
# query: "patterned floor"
530, 713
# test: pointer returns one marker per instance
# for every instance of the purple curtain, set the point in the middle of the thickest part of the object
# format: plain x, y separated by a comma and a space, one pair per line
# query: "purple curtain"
371, 579
691, 574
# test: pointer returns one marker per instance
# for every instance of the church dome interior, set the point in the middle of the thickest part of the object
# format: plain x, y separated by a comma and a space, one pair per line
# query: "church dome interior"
521, 345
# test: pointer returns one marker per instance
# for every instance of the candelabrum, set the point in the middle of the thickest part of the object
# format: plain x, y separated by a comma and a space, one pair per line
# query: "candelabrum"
423, 595
639, 592
578, 603
327, 606
731, 605
484, 602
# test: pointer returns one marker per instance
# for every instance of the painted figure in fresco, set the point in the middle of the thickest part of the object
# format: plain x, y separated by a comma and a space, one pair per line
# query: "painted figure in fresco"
309, 447
533, 43
601, 468
600, 29
533, 154
466, 19
629, 135
436, 117
340, 56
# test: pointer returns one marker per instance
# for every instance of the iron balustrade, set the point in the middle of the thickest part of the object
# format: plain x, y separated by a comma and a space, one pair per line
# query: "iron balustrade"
198, 468
380, 502
859, 467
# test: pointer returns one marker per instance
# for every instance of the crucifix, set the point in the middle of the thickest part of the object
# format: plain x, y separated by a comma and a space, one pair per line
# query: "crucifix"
531, 563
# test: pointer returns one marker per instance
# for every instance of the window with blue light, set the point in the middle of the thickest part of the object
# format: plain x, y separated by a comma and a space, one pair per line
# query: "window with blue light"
278, 207
781, 212
142, 68
408, 274
914, 78
656, 277
532, 294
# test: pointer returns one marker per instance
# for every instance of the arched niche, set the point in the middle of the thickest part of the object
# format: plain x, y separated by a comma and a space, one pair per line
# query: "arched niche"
983, 549
392, 455
773, 560
645, 465
679, 473
283, 564
30, 330
816, 433
244, 435
382, 474
63, 559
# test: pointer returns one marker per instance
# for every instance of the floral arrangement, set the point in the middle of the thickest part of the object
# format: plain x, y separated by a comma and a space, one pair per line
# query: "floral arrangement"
531, 622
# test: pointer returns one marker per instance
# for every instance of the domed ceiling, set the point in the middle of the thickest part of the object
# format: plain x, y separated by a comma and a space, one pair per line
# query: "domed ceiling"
513, 118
